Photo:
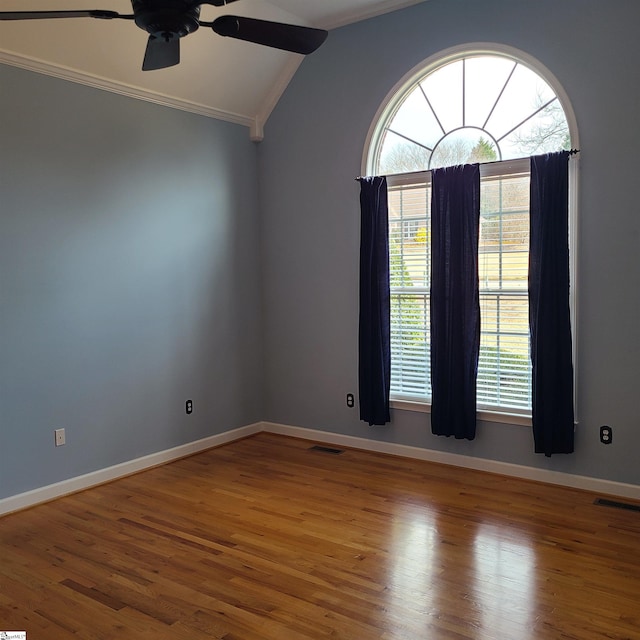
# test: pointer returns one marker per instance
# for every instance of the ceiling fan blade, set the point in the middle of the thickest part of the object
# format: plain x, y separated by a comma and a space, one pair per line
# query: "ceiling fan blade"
271, 34
161, 52
45, 15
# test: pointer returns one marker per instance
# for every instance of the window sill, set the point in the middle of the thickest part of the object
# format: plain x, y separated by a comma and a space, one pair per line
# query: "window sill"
485, 416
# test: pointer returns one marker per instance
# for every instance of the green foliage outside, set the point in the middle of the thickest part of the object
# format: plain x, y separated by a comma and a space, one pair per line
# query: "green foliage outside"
422, 236
483, 151
398, 272
408, 319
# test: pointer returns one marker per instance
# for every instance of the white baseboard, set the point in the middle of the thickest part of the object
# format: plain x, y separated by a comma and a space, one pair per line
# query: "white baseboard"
585, 483
72, 485
79, 483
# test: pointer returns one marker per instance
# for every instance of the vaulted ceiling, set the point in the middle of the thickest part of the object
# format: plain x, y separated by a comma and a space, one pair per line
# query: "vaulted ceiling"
218, 77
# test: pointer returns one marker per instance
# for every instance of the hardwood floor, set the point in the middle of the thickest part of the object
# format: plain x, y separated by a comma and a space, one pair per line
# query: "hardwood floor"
264, 539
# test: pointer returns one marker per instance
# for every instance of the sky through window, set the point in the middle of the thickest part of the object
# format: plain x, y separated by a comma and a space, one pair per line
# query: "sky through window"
476, 109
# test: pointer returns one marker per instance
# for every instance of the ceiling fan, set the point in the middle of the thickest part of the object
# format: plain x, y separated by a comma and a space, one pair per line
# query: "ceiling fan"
166, 21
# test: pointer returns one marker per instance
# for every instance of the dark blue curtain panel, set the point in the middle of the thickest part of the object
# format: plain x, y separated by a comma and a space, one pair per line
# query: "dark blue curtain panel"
455, 303
374, 339
549, 317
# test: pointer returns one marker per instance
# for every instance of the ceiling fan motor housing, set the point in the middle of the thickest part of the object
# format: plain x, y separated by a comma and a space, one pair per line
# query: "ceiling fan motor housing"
166, 19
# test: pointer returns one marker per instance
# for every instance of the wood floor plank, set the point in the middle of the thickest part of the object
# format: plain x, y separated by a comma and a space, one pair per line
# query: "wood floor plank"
265, 539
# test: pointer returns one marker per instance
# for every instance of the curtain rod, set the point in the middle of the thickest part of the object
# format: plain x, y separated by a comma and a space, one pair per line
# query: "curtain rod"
571, 152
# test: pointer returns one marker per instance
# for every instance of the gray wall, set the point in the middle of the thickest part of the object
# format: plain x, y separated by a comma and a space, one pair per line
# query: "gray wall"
312, 151
129, 279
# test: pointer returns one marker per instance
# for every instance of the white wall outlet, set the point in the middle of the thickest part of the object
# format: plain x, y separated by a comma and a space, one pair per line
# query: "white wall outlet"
60, 438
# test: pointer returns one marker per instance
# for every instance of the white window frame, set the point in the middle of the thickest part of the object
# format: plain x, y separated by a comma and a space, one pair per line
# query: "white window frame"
373, 141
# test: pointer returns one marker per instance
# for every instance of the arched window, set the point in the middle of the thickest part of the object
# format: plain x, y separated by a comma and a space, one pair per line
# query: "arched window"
491, 105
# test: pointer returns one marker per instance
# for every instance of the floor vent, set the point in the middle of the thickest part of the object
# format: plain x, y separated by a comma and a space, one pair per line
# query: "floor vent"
317, 447
618, 505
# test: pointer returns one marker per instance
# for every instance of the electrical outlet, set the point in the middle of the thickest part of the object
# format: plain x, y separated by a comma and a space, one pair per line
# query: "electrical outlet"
350, 400
189, 407
606, 434
60, 437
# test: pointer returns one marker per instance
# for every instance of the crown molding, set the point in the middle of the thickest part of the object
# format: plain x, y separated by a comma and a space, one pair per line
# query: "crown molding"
358, 15
96, 82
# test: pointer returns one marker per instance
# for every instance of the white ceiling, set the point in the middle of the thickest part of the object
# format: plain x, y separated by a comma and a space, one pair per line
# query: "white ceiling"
218, 77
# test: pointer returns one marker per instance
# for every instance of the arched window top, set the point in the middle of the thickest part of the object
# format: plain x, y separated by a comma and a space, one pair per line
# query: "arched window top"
479, 104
